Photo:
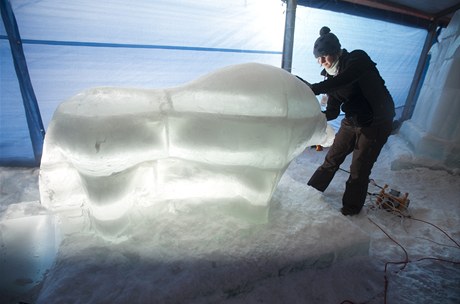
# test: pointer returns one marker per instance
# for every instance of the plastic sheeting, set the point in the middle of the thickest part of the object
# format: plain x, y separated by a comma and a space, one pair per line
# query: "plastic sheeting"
75, 45
433, 132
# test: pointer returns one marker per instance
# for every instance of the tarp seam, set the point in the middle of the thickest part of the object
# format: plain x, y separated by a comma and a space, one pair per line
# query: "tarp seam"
142, 46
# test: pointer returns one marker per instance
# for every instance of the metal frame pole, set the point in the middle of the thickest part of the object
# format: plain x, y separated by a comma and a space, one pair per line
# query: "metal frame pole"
34, 120
288, 46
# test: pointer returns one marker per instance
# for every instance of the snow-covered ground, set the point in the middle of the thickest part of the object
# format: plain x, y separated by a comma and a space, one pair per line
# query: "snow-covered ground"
219, 258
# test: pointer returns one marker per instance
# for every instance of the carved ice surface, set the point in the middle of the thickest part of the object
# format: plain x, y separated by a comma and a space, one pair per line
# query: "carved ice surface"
225, 137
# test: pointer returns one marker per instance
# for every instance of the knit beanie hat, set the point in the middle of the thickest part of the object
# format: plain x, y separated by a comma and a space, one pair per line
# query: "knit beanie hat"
326, 44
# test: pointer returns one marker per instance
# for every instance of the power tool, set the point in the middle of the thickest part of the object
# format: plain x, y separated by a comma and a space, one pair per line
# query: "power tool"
392, 200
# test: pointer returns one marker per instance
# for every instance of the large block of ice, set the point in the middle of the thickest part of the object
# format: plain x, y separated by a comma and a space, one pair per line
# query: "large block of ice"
28, 245
225, 137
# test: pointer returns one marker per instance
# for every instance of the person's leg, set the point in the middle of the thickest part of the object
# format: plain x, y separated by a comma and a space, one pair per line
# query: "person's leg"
369, 143
343, 145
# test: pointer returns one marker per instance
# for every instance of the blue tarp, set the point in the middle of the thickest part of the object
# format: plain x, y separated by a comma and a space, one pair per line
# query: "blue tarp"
74, 45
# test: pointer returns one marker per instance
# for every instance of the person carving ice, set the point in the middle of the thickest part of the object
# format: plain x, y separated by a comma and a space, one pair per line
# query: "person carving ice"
354, 85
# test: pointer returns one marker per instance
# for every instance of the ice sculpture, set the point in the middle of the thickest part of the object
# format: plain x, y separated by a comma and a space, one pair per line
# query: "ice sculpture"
433, 131
225, 137
28, 246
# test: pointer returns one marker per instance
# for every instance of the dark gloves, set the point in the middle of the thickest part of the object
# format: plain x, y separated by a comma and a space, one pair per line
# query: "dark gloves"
311, 86
304, 81
331, 114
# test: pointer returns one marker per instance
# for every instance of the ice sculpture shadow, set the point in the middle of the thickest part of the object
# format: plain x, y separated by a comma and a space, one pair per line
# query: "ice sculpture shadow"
224, 139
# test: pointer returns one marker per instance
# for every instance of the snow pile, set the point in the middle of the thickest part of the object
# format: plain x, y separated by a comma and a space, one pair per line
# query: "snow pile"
225, 138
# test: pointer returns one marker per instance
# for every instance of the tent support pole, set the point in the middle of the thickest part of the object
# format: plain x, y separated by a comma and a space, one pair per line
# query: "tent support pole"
288, 45
34, 120
411, 97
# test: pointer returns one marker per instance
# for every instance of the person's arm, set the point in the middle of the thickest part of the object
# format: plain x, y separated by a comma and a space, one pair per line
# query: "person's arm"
304, 81
332, 108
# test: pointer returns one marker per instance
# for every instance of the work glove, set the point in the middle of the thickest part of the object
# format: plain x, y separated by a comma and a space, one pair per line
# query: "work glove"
304, 81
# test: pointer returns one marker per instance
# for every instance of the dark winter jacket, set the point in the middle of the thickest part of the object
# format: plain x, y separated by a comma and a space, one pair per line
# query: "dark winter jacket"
357, 89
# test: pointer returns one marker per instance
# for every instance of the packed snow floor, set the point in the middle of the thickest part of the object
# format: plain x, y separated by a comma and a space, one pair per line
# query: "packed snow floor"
307, 252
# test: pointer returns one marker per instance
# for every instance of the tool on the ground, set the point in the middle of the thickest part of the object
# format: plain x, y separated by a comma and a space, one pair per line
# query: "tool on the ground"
392, 199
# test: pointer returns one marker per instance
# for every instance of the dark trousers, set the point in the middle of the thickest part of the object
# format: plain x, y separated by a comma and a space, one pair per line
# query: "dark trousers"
365, 143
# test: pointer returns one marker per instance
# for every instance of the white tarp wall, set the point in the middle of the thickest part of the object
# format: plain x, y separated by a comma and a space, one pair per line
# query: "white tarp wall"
434, 129
75, 45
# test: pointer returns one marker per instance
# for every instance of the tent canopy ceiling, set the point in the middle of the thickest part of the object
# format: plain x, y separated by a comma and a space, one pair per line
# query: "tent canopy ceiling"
418, 13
